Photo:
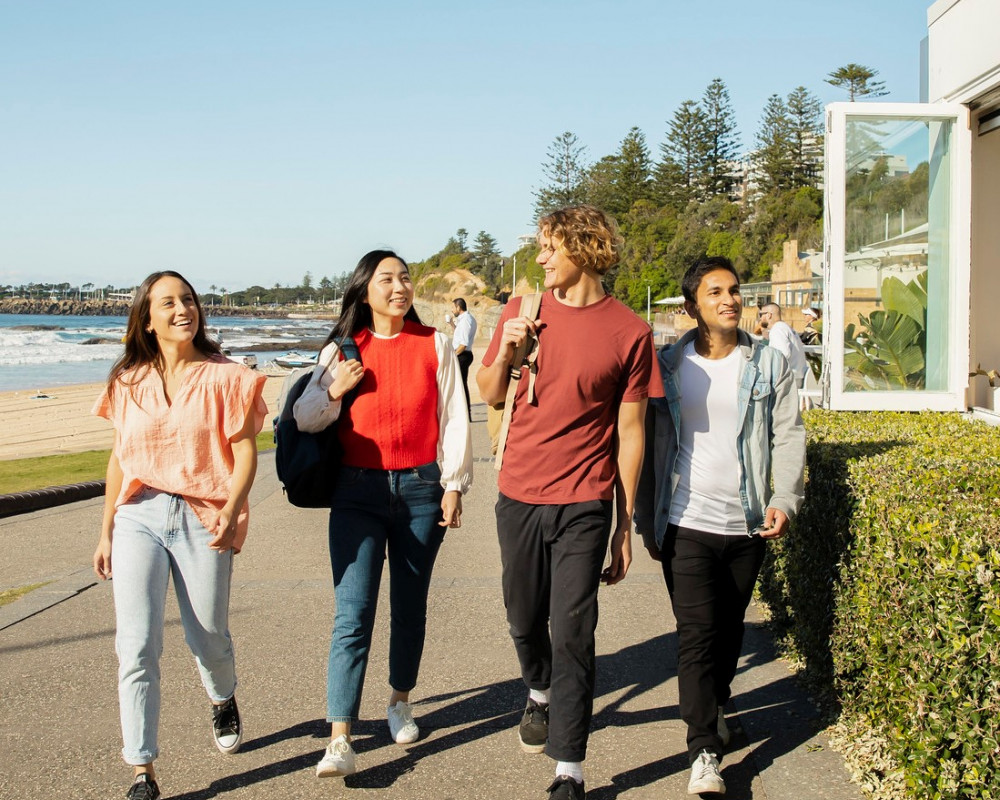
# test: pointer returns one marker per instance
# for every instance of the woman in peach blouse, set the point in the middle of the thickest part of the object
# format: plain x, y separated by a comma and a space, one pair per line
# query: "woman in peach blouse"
183, 461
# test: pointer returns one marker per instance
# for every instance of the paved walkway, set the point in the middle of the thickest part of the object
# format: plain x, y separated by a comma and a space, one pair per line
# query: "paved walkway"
59, 733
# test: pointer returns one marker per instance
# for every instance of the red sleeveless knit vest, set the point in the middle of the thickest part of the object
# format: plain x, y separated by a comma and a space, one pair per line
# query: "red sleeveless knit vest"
393, 421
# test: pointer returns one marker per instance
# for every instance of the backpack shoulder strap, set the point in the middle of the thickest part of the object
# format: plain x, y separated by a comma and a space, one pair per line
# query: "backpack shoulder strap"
526, 351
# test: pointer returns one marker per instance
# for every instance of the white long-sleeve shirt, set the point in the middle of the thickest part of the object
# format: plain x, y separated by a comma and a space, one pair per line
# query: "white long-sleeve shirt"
314, 411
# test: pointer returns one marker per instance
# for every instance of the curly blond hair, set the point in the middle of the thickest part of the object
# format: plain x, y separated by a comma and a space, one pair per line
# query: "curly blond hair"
586, 234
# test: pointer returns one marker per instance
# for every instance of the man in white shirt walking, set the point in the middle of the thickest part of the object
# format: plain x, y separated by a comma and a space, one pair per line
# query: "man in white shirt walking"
782, 338
722, 476
465, 334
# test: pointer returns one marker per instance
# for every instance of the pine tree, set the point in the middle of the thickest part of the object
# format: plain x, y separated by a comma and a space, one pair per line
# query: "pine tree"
635, 169
680, 176
565, 170
805, 114
858, 80
485, 253
462, 236
772, 159
721, 136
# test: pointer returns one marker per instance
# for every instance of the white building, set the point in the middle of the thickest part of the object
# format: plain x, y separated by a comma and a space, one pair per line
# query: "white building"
917, 277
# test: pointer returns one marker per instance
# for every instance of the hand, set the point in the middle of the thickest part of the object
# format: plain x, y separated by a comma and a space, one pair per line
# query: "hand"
451, 510
225, 531
654, 552
516, 330
621, 555
102, 558
775, 524
348, 375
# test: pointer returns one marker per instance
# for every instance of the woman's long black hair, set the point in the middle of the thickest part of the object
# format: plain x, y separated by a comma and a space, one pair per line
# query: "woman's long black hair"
355, 312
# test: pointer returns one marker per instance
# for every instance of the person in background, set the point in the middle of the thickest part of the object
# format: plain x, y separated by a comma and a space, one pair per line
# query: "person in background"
723, 474
407, 461
183, 461
782, 338
465, 335
571, 450
813, 331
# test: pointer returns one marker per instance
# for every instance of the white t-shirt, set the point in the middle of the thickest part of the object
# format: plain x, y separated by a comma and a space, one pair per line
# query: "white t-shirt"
783, 339
465, 331
706, 493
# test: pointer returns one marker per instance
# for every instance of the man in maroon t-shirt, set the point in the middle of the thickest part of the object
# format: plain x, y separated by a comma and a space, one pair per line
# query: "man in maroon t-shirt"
571, 451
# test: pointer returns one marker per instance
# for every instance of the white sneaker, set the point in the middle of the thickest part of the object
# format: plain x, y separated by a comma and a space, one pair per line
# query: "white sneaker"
401, 725
338, 760
705, 775
722, 728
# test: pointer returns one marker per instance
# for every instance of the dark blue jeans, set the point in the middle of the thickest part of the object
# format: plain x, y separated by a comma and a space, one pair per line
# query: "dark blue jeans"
710, 578
375, 512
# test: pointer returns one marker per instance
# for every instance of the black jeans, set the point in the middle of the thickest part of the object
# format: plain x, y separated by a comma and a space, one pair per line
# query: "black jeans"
464, 362
552, 559
710, 578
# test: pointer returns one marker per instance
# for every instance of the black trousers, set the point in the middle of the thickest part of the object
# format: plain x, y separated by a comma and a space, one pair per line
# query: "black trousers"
464, 362
710, 578
552, 559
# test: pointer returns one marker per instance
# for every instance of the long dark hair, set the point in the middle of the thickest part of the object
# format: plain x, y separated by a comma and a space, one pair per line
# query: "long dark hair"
355, 313
141, 348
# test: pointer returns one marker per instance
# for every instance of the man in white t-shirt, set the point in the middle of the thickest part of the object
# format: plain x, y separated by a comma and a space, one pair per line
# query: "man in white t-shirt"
782, 338
723, 473
465, 334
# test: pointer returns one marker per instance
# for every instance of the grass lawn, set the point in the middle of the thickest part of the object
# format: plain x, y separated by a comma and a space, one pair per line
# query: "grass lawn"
26, 474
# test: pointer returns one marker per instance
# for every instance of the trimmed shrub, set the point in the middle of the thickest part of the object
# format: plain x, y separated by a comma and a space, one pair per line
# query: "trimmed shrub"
888, 589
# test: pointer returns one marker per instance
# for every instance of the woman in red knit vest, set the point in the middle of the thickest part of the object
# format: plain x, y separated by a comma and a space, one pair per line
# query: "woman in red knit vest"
407, 461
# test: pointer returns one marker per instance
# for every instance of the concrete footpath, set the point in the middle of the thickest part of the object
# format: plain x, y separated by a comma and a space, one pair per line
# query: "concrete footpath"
59, 731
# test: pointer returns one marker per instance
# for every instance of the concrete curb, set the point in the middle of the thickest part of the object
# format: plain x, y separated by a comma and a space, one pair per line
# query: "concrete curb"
23, 502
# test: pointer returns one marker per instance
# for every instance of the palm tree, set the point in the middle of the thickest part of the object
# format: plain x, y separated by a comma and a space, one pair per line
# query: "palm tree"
212, 287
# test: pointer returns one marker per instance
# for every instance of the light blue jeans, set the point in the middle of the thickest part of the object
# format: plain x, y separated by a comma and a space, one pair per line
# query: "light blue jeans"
375, 512
157, 535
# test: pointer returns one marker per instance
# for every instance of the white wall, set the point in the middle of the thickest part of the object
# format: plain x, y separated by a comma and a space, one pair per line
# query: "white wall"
963, 54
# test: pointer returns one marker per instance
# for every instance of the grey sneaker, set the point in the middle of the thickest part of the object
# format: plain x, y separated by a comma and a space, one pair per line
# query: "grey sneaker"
226, 726
144, 788
722, 728
705, 776
338, 760
534, 728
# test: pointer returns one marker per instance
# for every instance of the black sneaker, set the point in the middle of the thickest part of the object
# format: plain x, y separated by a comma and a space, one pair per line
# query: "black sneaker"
564, 788
534, 728
226, 726
144, 788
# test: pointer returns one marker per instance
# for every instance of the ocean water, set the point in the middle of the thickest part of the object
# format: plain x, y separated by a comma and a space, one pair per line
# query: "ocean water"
39, 351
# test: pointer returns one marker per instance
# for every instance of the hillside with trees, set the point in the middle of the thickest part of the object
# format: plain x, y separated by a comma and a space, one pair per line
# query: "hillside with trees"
697, 194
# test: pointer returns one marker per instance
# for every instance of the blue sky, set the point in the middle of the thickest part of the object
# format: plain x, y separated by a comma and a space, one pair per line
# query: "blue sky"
252, 142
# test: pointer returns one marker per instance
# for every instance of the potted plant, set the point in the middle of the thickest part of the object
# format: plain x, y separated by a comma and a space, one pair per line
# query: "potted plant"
993, 396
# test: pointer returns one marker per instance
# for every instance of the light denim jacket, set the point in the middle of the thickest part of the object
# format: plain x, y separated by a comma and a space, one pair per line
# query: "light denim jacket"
771, 442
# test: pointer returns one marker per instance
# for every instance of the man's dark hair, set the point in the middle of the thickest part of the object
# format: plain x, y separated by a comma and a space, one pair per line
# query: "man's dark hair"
460, 302
699, 269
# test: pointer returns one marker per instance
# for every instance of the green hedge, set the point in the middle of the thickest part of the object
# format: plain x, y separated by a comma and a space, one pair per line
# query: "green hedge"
888, 589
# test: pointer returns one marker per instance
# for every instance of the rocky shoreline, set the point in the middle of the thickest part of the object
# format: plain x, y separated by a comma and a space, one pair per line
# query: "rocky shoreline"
120, 308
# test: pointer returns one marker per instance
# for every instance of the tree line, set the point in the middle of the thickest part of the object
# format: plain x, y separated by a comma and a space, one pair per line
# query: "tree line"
698, 195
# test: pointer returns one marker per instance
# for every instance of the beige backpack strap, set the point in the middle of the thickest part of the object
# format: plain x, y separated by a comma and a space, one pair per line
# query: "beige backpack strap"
526, 353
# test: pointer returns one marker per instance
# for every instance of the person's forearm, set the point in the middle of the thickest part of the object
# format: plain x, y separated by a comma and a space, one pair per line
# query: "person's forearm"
494, 379
244, 472
114, 477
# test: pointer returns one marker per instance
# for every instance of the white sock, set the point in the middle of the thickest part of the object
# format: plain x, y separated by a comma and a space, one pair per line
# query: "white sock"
570, 769
539, 695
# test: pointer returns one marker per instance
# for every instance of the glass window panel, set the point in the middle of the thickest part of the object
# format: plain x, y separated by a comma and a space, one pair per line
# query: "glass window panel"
896, 267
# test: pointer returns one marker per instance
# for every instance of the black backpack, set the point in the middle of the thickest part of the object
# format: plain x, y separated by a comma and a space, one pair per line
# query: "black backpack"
307, 463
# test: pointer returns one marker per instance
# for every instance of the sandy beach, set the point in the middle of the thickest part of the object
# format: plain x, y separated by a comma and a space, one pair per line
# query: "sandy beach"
49, 421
